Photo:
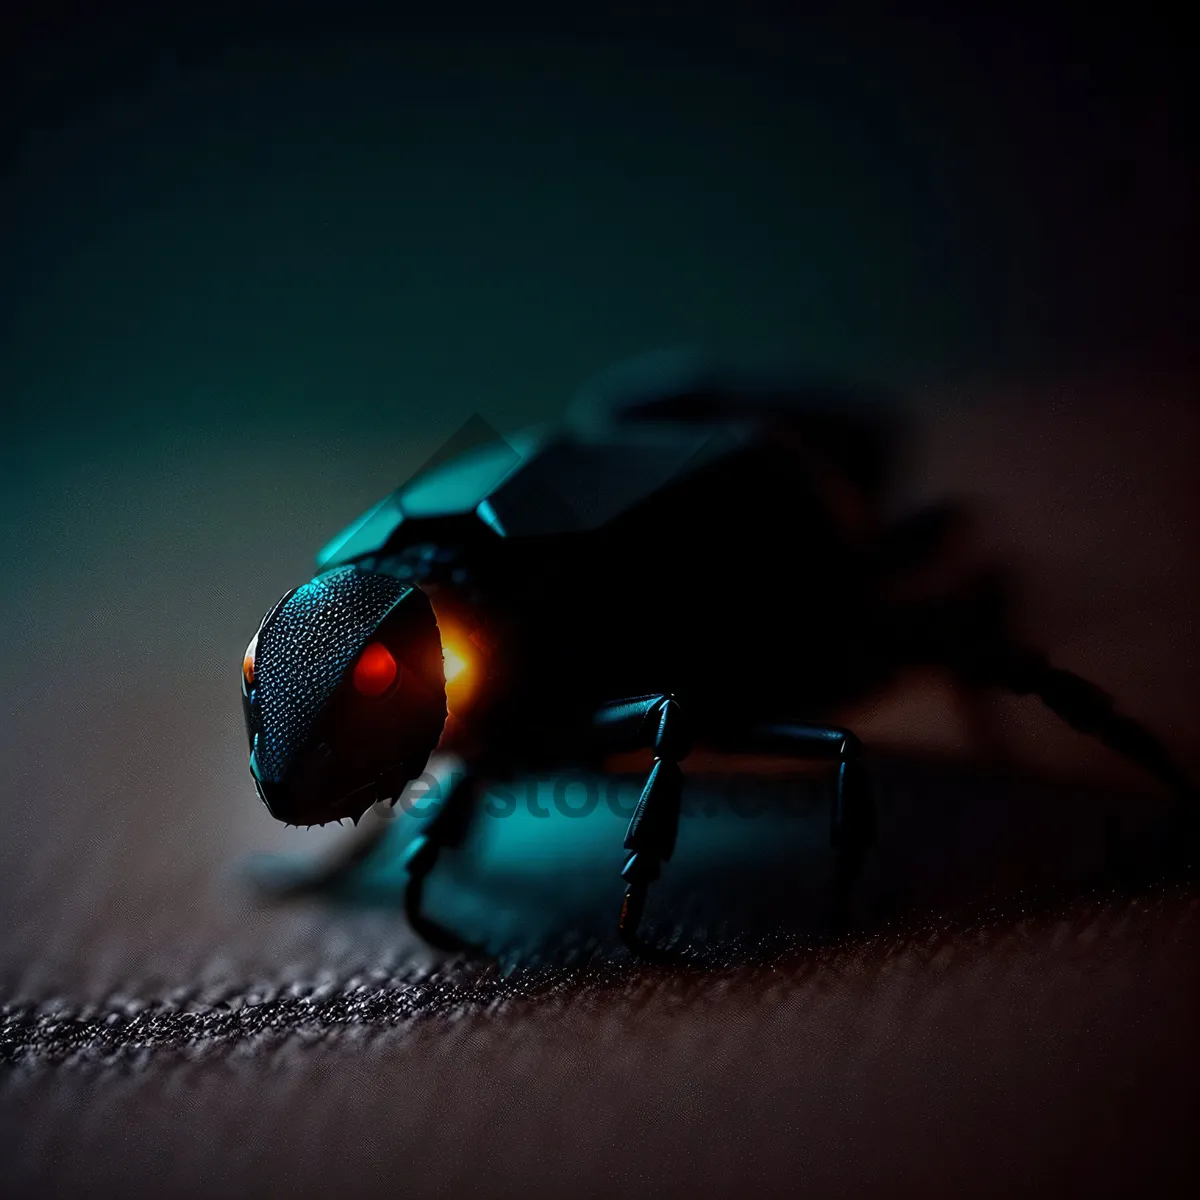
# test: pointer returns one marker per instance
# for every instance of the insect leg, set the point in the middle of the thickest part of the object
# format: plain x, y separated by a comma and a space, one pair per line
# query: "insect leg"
654, 721
447, 829
969, 634
852, 823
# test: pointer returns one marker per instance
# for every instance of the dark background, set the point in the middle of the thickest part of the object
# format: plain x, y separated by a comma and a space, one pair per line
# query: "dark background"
258, 264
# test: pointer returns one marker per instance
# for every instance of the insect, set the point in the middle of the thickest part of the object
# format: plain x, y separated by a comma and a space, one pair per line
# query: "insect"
689, 558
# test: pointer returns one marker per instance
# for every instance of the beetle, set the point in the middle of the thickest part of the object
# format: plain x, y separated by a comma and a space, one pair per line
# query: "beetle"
690, 557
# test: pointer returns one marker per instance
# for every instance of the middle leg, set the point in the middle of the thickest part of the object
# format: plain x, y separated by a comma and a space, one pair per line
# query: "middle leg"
657, 721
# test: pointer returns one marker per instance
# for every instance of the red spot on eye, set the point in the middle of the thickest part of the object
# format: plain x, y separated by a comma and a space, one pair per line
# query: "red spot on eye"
375, 670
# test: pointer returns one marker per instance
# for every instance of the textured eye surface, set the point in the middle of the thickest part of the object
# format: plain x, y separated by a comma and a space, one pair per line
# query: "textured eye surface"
305, 650
375, 670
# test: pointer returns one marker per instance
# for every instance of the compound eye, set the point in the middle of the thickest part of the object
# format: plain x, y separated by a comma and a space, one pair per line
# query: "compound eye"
375, 670
248, 663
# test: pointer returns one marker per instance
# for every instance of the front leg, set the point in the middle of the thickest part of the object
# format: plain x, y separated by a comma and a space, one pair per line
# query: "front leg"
447, 829
655, 721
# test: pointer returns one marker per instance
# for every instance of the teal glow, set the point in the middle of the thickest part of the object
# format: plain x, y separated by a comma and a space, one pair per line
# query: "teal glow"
458, 486
487, 514
362, 536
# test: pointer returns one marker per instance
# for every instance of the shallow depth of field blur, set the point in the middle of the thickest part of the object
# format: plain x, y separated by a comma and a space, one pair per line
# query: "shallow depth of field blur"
255, 273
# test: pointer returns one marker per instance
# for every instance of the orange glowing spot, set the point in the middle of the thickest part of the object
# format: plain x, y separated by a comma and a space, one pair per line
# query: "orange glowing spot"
375, 670
458, 667
453, 664
248, 663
